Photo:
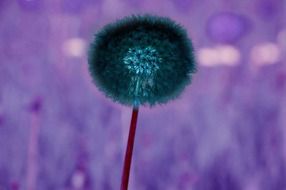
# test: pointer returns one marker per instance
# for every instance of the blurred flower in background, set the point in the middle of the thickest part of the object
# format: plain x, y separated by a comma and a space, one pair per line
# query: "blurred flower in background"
227, 131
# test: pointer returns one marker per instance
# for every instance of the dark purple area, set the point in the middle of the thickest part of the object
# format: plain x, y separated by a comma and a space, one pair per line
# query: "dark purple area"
1, 119
226, 27
36, 105
183, 5
31, 5
267, 9
72, 6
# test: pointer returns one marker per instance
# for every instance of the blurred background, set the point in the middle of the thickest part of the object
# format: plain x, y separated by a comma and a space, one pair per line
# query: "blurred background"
227, 131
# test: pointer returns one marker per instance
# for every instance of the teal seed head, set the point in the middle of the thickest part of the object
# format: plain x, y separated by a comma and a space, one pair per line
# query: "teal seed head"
142, 60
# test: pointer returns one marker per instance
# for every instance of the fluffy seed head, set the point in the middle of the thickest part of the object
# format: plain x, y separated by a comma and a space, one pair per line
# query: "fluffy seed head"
141, 60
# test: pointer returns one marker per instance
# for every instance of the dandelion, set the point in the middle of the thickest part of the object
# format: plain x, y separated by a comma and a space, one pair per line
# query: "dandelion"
141, 60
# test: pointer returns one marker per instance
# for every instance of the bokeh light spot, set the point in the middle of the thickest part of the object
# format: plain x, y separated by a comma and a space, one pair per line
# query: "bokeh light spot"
220, 55
74, 47
265, 53
78, 180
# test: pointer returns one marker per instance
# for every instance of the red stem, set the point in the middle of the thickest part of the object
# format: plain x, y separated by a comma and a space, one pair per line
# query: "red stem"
129, 150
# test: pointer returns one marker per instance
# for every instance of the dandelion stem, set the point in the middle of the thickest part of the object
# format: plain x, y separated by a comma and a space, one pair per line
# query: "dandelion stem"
129, 150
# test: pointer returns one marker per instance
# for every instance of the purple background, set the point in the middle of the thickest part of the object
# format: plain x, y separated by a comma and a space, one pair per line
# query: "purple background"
227, 131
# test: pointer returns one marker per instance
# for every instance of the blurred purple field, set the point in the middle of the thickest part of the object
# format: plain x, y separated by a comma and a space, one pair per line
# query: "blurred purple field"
227, 131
